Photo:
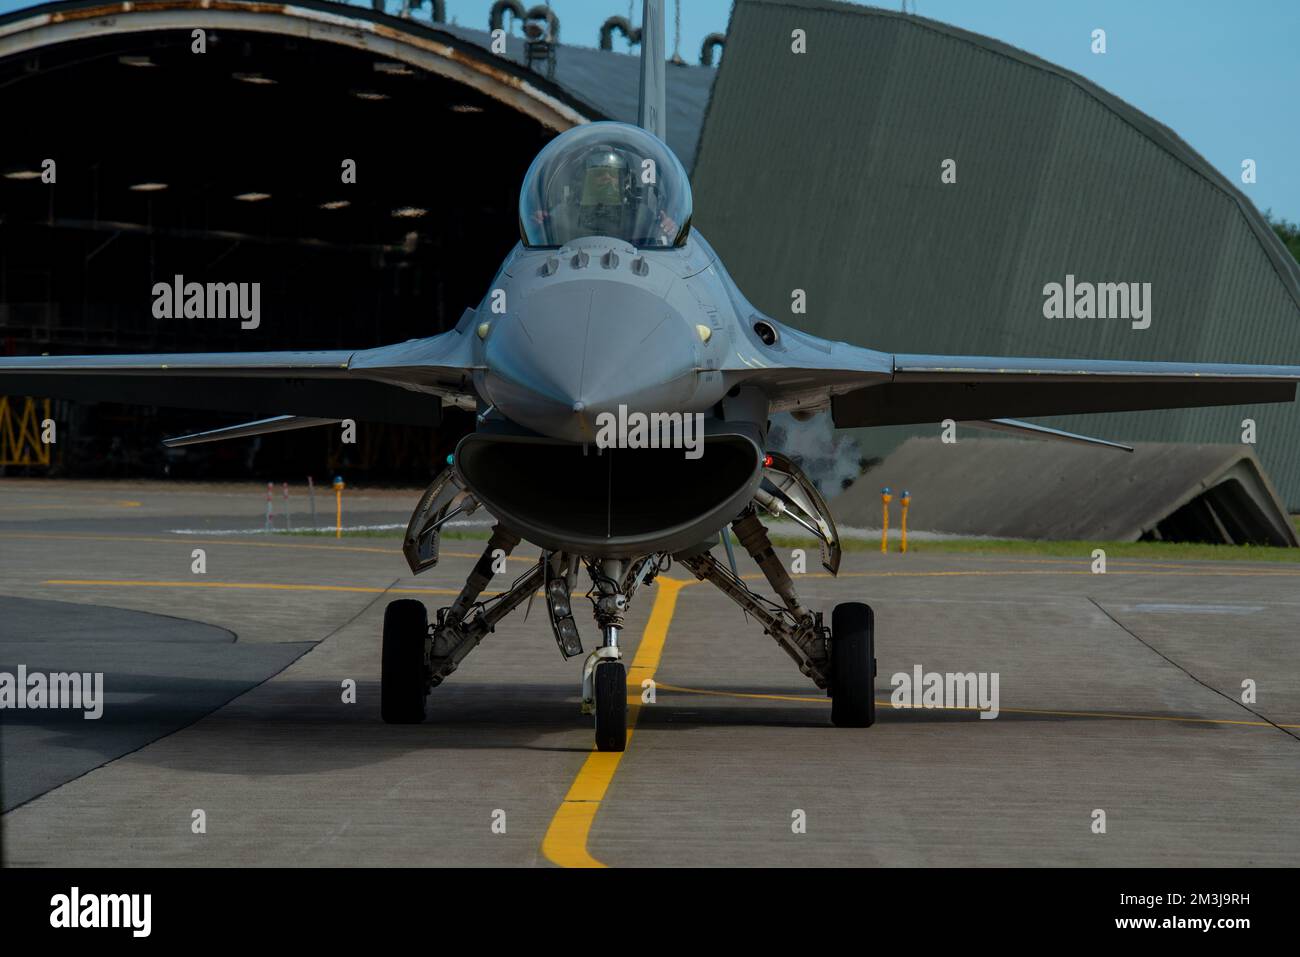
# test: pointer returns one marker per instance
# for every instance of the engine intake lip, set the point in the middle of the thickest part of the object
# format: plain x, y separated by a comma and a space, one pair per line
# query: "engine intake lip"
619, 503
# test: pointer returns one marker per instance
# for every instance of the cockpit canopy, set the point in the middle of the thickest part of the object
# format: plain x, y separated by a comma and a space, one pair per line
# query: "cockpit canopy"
605, 179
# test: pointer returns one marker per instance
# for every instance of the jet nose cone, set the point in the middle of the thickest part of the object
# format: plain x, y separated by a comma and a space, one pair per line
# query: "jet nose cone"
574, 350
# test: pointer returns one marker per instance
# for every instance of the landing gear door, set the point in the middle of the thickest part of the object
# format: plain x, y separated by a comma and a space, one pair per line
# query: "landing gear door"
444, 498
800, 500
559, 603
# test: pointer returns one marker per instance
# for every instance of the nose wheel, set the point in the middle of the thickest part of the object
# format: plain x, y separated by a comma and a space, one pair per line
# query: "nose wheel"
610, 687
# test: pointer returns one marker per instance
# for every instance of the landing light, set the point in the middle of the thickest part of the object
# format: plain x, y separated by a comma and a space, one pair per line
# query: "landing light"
147, 187
252, 197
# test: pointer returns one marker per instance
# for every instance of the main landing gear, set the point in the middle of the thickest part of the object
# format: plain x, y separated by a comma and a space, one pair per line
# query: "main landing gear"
417, 655
840, 659
853, 666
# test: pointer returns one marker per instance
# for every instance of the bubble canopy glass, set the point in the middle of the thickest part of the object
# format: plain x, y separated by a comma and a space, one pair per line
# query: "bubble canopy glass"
605, 179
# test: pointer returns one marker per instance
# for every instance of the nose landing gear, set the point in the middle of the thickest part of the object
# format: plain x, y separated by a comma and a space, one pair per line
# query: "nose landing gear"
604, 679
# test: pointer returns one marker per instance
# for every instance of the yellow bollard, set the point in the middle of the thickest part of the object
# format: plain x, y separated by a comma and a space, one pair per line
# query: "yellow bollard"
905, 501
885, 498
338, 506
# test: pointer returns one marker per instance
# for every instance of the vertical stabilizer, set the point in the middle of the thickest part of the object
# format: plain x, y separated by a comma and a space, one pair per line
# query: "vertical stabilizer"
652, 112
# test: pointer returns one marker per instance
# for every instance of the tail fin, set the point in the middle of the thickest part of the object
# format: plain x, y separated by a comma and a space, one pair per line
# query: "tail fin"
652, 112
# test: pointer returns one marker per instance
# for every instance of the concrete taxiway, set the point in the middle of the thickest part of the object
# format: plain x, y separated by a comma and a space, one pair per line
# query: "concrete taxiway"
225, 693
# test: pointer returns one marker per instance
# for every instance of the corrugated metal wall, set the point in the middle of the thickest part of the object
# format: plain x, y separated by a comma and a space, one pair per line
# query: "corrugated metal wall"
821, 171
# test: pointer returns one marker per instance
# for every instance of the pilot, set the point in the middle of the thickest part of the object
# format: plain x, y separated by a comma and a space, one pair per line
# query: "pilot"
601, 199
605, 194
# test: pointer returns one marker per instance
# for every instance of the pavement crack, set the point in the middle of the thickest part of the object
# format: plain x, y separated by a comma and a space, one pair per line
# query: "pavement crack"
361, 611
1227, 697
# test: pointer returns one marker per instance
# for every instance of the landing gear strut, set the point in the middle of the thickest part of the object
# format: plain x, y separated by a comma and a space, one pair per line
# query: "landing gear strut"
604, 679
798, 630
841, 659
456, 632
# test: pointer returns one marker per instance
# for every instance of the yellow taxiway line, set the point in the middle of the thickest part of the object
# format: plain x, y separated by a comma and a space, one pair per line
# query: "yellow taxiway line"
260, 586
565, 842
813, 699
394, 549
69, 505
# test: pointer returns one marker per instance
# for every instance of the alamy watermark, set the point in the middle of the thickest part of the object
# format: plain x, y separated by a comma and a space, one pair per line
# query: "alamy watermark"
932, 689
75, 910
651, 430
57, 690
179, 299
1101, 300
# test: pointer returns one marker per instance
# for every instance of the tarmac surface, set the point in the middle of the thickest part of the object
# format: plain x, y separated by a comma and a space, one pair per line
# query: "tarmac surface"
225, 694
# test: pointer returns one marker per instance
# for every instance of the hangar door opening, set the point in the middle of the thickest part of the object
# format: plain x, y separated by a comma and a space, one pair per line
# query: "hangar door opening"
228, 167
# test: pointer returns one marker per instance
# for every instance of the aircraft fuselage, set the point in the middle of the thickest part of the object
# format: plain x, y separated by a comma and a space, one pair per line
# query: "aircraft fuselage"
565, 334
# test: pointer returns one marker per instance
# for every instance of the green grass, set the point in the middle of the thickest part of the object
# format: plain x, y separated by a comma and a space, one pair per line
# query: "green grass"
1168, 551
454, 534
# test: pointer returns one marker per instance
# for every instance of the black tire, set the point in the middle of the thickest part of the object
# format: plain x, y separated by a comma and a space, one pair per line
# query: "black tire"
853, 666
403, 687
611, 706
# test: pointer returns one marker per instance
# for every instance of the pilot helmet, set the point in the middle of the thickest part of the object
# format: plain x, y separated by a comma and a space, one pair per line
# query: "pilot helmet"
604, 178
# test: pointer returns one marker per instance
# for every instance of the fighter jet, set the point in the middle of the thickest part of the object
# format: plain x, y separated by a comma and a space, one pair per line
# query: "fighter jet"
612, 304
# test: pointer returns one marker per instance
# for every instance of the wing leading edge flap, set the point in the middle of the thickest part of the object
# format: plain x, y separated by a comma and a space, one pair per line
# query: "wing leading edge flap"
932, 388
360, 399
401, 384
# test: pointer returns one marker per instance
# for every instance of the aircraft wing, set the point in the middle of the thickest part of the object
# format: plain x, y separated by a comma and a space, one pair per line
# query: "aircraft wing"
932, 388
802, 371
403, 383
864, 387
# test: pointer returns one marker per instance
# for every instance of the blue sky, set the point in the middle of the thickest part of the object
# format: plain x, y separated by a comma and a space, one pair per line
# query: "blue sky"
1223, 74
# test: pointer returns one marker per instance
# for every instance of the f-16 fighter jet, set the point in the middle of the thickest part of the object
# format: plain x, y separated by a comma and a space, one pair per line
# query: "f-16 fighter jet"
613, 305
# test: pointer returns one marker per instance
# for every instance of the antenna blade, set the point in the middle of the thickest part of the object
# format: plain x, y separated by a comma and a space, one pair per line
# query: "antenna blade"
652, 111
